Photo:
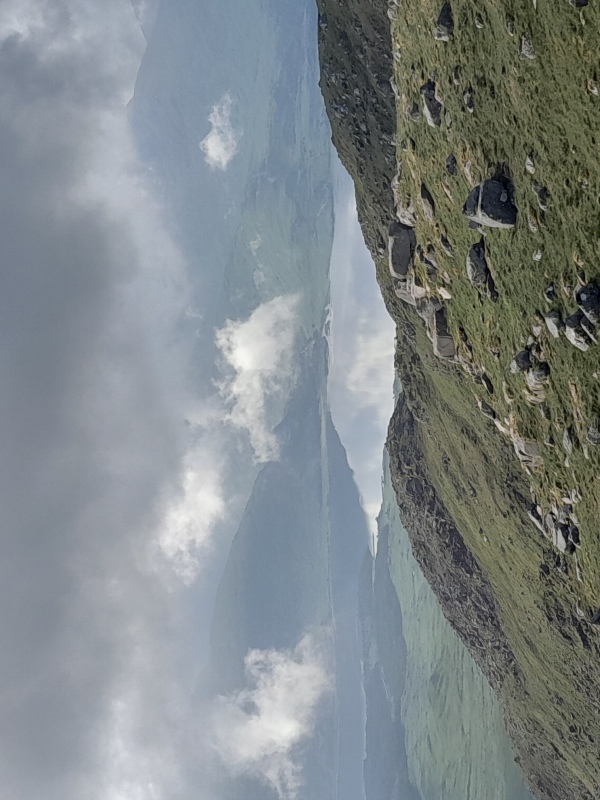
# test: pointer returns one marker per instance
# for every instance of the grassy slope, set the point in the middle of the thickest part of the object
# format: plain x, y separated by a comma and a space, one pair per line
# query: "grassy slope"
541, 105
468, 483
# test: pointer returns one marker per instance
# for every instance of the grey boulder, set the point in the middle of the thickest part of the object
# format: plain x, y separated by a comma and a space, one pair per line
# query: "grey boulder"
575, 331
444, 27
432, 107
401, 247
588, 300
521, 362
491, 203
593, 432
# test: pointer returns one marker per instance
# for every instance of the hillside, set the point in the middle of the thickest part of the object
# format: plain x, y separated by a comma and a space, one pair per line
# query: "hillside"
515, 93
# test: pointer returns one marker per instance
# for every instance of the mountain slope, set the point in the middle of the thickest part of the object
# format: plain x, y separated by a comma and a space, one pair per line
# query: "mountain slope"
515, 601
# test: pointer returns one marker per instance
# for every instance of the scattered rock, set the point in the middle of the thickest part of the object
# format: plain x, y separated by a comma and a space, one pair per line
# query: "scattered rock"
443, 344
410, 290
527, 49
432, 267
535, 516
550, 293
508, 398
522, 362
451, 165
431, 256
477, 266
593, 432
510, 27
532, 222
588, 300
401, 247
448, 119
537, 256
558, 538
567, 441
530, 163
468, 170
432, 107
528, 451
575, 332
427, 203
478, 22
413, 113
456, 76
574, 535
445, 242
485, 380
542, 194
541, 372
468, 99
447, 192
554, 323
592, 87
486, 409
491, 203
444, 27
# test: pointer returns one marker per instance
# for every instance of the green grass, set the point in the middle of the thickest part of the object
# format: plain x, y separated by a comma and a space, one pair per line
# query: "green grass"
542, 105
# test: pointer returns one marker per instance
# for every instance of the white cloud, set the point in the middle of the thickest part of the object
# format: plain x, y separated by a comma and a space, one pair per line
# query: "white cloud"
221, 143
258, 359
191, 517
259, 731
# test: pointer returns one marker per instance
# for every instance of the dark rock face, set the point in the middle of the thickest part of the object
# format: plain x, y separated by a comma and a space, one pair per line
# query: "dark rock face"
451, 165
401, 247
588, 300
578, 3
491, 203
355, 53
432, 108
463, 589
445, 24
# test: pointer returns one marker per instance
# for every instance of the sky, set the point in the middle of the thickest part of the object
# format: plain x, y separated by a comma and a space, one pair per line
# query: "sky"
361, 374
112, 476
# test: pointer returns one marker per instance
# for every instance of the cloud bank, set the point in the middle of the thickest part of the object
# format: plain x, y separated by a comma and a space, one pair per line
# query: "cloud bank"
259, 731
95, 392
221, 143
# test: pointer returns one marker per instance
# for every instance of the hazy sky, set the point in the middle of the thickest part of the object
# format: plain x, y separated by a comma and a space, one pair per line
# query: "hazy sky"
361, 374
111, 478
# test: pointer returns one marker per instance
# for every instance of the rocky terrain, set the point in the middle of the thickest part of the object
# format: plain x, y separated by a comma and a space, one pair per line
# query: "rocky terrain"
470, 132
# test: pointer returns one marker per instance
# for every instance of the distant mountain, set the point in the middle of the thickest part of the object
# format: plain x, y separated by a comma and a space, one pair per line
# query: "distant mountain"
294, 566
